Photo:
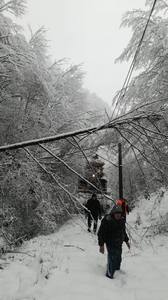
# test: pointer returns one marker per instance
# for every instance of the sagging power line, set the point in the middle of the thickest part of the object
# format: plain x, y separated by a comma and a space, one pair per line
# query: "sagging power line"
132, 66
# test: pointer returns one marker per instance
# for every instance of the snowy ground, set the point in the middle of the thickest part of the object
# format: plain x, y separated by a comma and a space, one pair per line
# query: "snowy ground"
67, 266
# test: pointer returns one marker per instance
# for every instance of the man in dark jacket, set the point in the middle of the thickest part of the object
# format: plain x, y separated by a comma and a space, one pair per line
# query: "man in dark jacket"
112, 233
93, 205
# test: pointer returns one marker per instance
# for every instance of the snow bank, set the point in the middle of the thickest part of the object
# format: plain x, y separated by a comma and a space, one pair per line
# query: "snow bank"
151, 215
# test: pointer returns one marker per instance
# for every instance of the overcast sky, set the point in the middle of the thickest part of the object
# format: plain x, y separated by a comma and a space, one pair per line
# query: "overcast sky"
87, 32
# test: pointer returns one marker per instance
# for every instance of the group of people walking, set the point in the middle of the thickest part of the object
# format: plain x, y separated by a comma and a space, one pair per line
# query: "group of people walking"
111, 233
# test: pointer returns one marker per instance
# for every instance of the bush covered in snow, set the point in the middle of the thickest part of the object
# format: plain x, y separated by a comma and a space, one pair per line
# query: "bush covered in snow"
151, 215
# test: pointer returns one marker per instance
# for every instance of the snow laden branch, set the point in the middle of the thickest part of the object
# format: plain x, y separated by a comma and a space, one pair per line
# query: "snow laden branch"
73, 171
71, 196
114, 124
15, 7
56, 181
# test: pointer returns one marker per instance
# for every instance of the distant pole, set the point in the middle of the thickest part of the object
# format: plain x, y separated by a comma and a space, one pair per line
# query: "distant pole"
120, 171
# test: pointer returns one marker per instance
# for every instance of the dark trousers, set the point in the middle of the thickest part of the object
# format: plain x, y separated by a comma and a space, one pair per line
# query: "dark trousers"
113, 260
93, 219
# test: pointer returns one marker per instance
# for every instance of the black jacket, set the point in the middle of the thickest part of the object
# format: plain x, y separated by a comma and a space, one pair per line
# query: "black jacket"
94, 206
112, 232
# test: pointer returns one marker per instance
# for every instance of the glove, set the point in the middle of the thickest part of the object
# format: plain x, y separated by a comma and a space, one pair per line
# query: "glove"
101, 249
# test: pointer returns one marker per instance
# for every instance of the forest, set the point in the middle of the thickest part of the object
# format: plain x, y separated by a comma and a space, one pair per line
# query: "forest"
41, 98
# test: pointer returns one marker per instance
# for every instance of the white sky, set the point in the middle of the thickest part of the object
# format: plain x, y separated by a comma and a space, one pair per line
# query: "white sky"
87, 32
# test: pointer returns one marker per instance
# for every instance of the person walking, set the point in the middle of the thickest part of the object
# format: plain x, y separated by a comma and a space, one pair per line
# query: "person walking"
93, 212
112, 233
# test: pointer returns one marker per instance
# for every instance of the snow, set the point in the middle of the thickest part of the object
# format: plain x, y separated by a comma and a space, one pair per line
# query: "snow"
152, 214
67, 265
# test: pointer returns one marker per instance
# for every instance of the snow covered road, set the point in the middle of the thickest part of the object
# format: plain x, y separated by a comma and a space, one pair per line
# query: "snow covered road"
68, 266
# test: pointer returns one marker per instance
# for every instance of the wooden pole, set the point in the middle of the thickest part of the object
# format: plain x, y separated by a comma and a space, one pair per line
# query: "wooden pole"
120, 171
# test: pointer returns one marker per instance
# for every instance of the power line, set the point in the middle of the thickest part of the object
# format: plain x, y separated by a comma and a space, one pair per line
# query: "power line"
128, 77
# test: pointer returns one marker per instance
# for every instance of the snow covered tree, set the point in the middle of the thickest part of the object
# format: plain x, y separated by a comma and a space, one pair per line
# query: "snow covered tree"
151, 62
15, 7
37, 98
148, 90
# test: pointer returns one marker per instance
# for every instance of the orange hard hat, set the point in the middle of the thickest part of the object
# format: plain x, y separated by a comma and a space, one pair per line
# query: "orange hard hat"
119, 202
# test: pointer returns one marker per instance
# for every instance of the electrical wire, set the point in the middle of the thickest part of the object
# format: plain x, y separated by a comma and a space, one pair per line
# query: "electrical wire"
132, 66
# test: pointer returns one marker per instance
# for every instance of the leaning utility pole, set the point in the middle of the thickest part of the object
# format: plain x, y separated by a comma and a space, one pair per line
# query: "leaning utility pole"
120, 171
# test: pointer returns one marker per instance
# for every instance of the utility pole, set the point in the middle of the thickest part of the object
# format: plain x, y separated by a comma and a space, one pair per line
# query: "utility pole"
120, 171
